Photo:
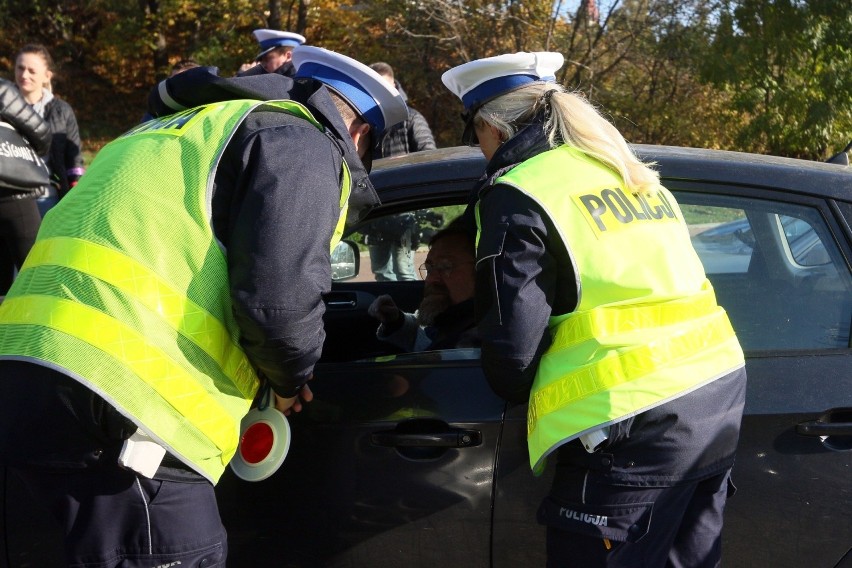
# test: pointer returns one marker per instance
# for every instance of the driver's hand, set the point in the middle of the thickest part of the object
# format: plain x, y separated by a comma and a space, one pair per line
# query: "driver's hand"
384, 309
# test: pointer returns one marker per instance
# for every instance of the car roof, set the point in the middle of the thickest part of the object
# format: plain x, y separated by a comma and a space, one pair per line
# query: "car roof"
462, 163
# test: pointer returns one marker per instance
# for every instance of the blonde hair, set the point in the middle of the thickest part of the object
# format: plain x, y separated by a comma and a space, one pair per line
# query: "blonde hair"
573, 121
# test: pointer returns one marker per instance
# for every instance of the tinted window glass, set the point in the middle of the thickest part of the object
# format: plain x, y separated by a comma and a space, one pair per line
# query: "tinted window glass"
776, 269
388, 239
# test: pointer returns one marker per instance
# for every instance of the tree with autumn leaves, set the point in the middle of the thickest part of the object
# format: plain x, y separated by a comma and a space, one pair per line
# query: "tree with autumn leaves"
767, 76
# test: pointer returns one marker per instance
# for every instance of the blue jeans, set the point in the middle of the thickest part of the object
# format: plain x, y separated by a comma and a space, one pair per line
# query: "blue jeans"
46, 201
392, 261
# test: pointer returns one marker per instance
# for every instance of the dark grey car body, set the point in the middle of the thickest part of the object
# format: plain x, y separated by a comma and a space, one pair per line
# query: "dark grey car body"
410, 459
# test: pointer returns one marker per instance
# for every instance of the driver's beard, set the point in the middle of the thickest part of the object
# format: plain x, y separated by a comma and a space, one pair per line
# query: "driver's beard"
435, 301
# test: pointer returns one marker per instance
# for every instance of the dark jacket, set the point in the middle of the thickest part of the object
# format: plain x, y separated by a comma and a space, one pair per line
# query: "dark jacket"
15, 111
525, 275
412, 135
286, 69
66, 150
275, 204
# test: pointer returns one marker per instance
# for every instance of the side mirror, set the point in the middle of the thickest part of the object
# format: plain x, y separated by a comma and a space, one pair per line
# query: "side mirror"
345, 261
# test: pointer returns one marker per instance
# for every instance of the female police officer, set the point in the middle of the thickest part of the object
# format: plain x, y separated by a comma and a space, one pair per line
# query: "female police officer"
595, 309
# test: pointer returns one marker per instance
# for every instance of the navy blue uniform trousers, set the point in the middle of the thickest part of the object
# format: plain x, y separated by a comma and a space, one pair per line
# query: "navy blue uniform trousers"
59, 443
593, 523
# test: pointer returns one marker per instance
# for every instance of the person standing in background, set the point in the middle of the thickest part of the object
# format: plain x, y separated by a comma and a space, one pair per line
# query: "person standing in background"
34, 71
412, 135
276, 52
391, 240
24, 136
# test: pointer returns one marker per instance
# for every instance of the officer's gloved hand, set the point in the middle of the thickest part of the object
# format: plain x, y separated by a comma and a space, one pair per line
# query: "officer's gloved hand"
384, 309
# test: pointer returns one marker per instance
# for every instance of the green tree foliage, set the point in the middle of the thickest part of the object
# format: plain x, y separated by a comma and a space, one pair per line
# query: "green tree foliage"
762, 75
786, 65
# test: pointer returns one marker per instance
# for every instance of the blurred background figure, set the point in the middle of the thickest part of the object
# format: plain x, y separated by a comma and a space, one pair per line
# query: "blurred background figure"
177, 68
24, 136
412, 135
34, 72
183, 65
391, 240
275, 55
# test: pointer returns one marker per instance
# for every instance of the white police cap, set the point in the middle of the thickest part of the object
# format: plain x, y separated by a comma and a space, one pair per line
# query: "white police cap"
270, 39
378, 103
479, 81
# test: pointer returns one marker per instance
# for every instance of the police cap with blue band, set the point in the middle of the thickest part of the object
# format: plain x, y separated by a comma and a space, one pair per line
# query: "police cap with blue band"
379, 104
480, 81
270, 39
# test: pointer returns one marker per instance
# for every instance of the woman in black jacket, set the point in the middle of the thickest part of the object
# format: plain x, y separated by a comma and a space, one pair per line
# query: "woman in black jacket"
33, 73
23, 175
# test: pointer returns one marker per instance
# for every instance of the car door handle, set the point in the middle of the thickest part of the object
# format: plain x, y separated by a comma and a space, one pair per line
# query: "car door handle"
453, 438
818, 428
341, 301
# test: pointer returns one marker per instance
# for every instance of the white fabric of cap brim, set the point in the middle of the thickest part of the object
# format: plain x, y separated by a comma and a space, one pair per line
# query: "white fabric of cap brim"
462, 79
266, 34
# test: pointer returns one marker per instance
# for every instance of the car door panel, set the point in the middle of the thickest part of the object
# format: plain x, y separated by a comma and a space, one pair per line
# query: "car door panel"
380, 472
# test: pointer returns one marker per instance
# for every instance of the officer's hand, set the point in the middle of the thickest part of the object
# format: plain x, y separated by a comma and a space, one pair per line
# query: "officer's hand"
384, 309
294, 403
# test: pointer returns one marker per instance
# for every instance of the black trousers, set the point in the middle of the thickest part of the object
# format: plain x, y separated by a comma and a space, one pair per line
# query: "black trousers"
19, 223
59, 443
591, 523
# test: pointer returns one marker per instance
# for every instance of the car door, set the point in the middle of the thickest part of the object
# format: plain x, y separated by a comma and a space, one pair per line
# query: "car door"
779, 265
392, 464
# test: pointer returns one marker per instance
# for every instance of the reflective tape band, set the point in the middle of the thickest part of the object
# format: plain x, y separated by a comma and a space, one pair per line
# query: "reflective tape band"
345, 189
633, 365
610, 321
132, 350
146, 287
163, 91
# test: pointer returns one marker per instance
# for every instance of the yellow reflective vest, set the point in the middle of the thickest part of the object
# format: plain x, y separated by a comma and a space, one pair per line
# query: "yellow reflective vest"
126, 288
646, 329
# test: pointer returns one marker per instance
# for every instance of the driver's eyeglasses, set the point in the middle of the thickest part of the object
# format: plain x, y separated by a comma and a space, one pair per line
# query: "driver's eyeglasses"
442, 269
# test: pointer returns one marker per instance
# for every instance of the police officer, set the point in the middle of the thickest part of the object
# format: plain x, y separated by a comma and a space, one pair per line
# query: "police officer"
187, 269
594, 308
276, 51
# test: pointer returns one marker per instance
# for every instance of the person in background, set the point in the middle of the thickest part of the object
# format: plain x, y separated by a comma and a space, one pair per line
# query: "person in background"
150, 317
390, 241
594, 309
179, 67
444, 319
24, 136
34, 71
412, 135
183, 65
276, 52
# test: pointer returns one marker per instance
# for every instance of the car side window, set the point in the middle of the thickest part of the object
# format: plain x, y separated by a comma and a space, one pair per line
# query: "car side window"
776, 269
393, 246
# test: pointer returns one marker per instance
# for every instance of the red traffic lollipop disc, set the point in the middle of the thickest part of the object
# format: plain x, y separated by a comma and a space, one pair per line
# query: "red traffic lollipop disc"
264, 443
